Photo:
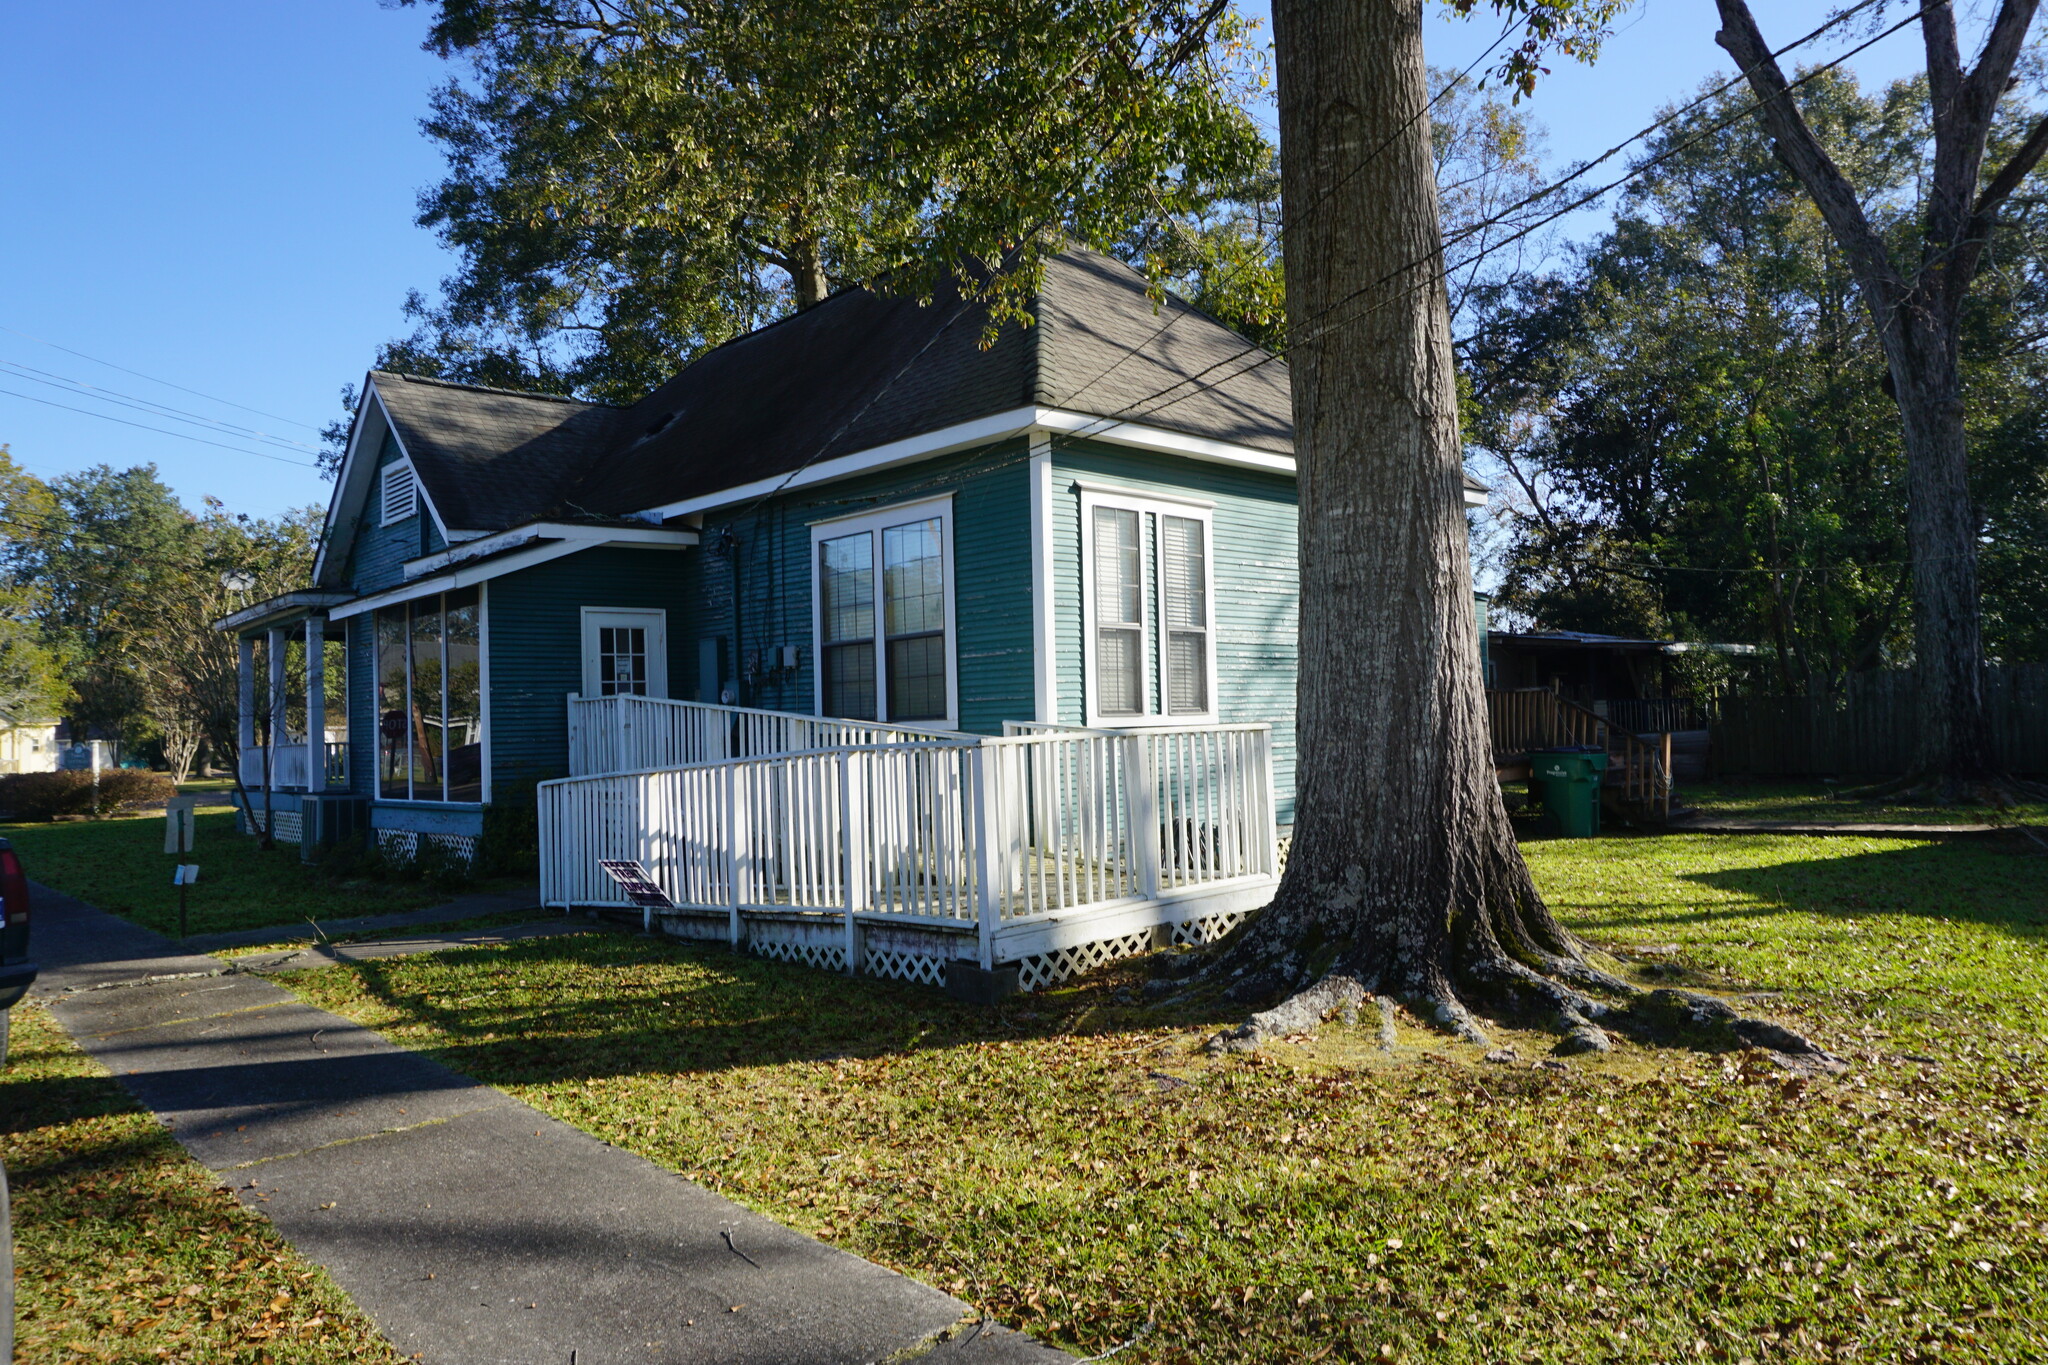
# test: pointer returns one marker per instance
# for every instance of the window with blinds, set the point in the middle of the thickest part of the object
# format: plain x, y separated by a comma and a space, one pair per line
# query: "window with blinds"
1149, 652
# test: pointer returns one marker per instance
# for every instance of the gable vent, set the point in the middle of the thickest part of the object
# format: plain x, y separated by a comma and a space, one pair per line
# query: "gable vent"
401, 493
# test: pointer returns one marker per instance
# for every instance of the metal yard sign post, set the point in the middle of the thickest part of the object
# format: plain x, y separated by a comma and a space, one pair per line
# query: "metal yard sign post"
178, 830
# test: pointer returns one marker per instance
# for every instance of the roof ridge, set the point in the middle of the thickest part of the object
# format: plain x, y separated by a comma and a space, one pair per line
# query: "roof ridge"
492, 388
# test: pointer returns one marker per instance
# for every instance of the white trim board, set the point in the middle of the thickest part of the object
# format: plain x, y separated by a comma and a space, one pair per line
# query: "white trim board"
1044, 643
463, 575
982, 431
547, 530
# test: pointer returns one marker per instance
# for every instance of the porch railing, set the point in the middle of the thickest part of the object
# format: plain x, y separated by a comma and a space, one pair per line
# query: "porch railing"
288, 766
630, 734
988, 835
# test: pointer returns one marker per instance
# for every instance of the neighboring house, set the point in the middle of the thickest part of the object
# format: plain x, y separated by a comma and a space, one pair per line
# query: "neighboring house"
869, 510
27, 745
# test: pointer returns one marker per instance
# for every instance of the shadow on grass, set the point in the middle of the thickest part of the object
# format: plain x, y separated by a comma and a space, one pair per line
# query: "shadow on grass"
1993, 883
643, 1005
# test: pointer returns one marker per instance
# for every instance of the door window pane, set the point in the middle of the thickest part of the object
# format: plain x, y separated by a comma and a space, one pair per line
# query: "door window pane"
914, 614
622, 661
465, 752
1119, 613
394, 710
846, 608
1184, 573
429, 739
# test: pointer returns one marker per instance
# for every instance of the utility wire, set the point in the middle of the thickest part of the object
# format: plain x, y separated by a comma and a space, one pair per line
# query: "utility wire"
1268, 243
41, 341
166, 431
1546, 192
79, 388
1268, 355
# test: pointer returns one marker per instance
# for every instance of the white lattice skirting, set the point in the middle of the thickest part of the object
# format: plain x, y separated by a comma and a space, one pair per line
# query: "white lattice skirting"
921, 956
286, 826
814, 945
1049, 969
404, 844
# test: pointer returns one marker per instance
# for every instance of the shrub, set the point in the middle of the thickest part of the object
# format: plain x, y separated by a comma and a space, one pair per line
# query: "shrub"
49, 796
510, 845
439, 865
127, 788
45, 796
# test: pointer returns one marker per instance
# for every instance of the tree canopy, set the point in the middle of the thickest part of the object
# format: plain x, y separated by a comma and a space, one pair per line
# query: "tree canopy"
631, 183
1692, 424
108, 590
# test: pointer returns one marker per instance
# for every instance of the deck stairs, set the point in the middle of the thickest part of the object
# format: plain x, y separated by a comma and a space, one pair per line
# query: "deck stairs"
1637, 789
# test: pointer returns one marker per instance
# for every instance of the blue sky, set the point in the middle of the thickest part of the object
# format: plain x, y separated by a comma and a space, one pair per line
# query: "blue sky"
219, 196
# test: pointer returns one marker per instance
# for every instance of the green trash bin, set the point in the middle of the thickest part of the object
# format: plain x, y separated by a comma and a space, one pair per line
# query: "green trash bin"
1565, 784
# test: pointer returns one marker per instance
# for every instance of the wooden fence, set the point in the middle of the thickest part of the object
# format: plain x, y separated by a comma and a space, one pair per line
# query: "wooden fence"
1871, 728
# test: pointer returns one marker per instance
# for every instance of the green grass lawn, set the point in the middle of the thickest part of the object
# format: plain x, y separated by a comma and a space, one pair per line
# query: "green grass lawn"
1076, 1166
128, 1250
1820, 802
119, 865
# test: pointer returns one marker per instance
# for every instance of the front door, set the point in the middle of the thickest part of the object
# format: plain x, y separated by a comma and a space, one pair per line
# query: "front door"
625, 652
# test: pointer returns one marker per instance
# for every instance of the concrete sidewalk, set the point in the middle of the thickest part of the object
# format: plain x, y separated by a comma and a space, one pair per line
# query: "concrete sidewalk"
473, 1229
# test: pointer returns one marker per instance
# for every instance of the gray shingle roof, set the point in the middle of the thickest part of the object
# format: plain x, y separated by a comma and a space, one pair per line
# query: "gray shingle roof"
860, 370
492, 458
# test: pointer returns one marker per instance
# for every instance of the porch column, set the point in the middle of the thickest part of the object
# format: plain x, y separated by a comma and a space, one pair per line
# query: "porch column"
316, 703
275, 652
245, 695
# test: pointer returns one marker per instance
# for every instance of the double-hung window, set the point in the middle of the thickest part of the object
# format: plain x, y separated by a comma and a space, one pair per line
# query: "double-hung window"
883, 584
1148, 644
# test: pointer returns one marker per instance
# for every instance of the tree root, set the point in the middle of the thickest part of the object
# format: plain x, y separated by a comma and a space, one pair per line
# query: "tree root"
1714, 1020
1302, 1012
1386, 1022
1703, 1018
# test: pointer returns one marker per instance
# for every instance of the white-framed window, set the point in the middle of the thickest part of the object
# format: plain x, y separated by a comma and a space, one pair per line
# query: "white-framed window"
1148, 595
431, 698
883, 628
400, 493
625, 652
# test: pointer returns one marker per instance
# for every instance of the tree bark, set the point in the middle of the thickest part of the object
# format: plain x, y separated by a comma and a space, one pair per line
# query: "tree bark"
1403, 871
805, 261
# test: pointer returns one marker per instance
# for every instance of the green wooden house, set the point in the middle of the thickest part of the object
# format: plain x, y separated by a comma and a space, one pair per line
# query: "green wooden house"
1080, 533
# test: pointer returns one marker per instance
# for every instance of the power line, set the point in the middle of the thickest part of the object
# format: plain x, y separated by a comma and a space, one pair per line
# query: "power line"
73, 386
41, 341
1442, 271
1269, 243
165, 431
1546, 192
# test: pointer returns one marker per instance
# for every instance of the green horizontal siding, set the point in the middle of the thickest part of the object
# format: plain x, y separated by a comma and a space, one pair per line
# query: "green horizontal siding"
1256, 574
535, 620
772, 555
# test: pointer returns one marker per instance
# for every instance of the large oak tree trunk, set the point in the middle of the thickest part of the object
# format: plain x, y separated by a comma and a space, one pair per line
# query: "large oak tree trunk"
1954, 743
1403, 870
